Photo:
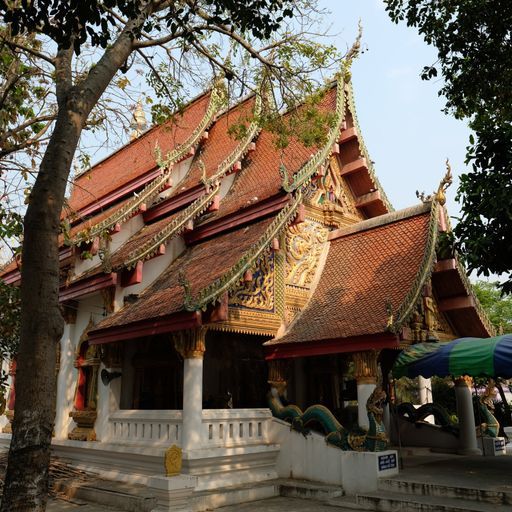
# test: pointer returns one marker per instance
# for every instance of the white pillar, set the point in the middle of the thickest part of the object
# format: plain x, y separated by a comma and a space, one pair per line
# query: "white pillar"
467, 431
425, 389
66, 382
364, 390
192, 403
191, 345
108, 401
365, 372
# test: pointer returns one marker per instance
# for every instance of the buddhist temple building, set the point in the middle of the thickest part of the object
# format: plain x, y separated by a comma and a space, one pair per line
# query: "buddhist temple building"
198, 267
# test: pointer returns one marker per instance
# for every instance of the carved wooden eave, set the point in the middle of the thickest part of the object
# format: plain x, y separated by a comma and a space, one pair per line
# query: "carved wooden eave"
332, 346
157, 180
87, 286
457, 300
163, 325
231, 221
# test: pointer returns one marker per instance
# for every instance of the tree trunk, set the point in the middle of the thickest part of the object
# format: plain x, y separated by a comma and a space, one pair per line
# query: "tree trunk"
26, 484
26, 481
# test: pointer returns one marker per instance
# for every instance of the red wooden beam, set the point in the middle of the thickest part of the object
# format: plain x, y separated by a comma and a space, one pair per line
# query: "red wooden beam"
86, 286
348, 135
132, 276
445, 266
233, 220
117, 195
366, 199
331, 346
357, 165
173, 204
144, 328
458, 302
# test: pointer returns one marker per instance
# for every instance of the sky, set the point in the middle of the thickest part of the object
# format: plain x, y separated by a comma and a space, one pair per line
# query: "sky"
406, 133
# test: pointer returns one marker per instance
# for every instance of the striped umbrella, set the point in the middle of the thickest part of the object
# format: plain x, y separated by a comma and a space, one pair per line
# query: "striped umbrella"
477, 357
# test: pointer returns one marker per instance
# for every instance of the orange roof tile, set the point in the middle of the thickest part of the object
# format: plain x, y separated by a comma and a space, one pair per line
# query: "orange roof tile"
260, 177
200, 265
366, 269
136, 158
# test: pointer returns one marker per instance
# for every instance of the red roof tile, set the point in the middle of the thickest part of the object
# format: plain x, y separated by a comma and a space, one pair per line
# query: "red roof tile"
200, 265
136, 158
260, 177
365, 270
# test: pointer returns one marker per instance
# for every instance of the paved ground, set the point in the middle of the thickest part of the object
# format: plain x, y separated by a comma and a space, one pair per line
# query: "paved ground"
270, 505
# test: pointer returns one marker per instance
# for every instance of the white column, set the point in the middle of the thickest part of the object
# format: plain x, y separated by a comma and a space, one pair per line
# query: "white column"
467, 431
66, 382
425, 389
192, 403
364, 390
191, 345
108, 401
365, 372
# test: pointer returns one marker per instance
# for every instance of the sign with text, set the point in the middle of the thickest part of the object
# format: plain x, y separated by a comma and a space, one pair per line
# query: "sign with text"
387, 461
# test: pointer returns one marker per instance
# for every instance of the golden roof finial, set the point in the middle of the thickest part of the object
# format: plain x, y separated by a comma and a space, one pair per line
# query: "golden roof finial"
447, 180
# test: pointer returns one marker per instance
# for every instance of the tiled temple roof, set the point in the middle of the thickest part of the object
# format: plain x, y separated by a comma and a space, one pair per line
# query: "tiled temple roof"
370, 269
136, 158
197, 267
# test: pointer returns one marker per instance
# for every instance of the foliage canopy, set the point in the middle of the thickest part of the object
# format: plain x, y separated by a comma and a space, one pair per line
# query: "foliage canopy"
474, 44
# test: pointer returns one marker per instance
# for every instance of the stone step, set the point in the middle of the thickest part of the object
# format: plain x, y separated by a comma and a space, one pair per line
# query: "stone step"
415, 488
122, 496
309, 490
385, 501
233, 495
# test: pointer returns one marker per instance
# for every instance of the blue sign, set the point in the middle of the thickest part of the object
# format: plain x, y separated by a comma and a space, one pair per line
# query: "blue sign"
499, 445
387, 461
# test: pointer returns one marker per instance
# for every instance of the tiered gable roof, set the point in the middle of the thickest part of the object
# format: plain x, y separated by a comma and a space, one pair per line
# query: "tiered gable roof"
369, 272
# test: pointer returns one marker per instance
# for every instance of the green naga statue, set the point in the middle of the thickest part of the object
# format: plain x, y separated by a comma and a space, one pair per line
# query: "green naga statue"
372, 440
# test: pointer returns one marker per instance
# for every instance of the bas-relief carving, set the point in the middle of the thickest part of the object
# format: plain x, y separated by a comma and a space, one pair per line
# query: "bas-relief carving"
173, 461
330, 198
427, 322
258, 293
304, 244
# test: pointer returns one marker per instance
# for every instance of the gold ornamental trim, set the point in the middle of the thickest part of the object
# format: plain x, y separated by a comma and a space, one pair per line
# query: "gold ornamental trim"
190, 344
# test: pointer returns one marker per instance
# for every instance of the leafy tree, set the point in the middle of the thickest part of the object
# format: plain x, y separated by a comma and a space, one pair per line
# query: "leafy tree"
498, 308
474, 43
176, 42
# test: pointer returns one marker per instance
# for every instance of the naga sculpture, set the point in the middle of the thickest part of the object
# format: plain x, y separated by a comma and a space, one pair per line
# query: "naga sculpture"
487, 424
485, 405
373, 440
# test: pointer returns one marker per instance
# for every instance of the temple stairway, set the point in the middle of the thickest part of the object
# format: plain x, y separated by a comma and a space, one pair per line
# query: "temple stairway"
441, 483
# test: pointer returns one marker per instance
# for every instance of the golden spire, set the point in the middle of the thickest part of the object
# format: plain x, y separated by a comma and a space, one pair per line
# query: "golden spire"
447, 180
138, 123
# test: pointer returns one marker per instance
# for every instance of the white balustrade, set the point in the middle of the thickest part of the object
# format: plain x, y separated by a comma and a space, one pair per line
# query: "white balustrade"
235, 427
220, 427
152, 428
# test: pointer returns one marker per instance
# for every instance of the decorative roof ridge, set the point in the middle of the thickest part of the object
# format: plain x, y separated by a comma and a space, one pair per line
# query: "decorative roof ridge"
213, 292
195, 99
362, 147
381, 220
174, 228
397, 319
305, 173
151, 190
212, 184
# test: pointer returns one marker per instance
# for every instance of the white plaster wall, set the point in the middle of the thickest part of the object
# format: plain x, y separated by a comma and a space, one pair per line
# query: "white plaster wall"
152, 269
66, 381
311, 458
108, 401
308, 457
